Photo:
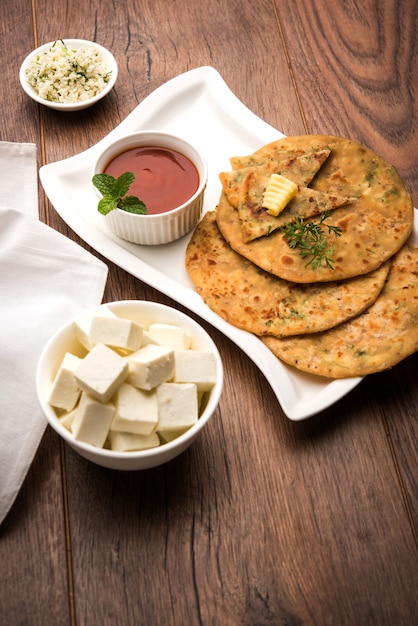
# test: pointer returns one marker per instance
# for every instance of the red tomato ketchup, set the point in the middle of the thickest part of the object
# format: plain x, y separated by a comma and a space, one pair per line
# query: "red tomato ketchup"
164, 178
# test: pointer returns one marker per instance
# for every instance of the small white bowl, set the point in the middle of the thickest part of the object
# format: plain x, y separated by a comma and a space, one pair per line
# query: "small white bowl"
64, 340
163, 227
105, 56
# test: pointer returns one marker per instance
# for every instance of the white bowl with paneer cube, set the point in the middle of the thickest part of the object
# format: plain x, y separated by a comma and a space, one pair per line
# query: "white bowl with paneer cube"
130, 385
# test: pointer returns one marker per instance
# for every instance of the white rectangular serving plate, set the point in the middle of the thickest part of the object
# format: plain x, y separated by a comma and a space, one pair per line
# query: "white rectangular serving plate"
199, 106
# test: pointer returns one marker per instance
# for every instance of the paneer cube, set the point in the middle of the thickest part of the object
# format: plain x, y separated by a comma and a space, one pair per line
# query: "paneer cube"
92, 421
177, 406
82, 323
147, 339
130, 442
67, 419
170, 335
101, 372
136, 410
169, 435
116, 332
192, 366
150, 366
65, 390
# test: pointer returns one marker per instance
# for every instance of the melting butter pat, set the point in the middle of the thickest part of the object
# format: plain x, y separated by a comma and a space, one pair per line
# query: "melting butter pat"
177, 406
116, 332
65, 390
150, 366
279, 192
101, 372
191, 366
130, 442
136, 410
170, 335
92, 420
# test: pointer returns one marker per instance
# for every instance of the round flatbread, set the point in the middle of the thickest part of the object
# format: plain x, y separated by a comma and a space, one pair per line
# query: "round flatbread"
374, 224
379, 338
256, 301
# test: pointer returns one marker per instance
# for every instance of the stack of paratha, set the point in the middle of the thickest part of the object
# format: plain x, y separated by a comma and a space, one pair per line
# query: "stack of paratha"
350, 315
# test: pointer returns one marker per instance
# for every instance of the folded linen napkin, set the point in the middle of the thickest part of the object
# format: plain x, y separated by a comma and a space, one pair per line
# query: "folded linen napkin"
18, 177
45, 280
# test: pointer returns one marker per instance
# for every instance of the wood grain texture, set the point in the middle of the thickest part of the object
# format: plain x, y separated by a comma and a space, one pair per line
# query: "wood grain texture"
263, 521
33, 578
364, 63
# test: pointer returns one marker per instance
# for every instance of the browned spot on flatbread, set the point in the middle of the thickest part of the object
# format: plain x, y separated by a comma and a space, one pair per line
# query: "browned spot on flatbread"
286, 260
345, 222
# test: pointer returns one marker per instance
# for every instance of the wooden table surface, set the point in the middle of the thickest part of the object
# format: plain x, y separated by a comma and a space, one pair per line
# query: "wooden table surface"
263, 521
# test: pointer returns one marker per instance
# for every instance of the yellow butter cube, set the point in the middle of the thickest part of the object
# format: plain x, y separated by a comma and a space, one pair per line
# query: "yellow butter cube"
279, 192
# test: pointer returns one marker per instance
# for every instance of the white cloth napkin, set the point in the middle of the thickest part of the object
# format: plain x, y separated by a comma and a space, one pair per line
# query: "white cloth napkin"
19, 177
45, 280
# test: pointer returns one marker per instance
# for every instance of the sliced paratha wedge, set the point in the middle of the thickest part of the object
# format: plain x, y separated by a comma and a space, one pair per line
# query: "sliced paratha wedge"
375, 225
301, 169
284, 148
382, 336
257, 222
251, 299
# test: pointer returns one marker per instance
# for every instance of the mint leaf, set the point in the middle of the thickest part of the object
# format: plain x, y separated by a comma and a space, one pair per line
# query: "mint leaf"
104, 183
122, 184
132, 204
114, 192
107, 204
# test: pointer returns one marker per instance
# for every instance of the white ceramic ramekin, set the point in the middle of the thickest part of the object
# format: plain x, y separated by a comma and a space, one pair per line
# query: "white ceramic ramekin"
163, 227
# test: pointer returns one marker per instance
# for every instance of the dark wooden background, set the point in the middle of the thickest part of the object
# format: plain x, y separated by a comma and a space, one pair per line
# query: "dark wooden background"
263, 521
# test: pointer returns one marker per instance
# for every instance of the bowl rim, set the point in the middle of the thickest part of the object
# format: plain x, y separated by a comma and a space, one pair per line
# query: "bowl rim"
163, 448
160, 134
77, 43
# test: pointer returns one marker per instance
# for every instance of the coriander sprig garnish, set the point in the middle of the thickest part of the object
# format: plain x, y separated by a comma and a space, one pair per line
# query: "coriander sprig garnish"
114, 192
310, 240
